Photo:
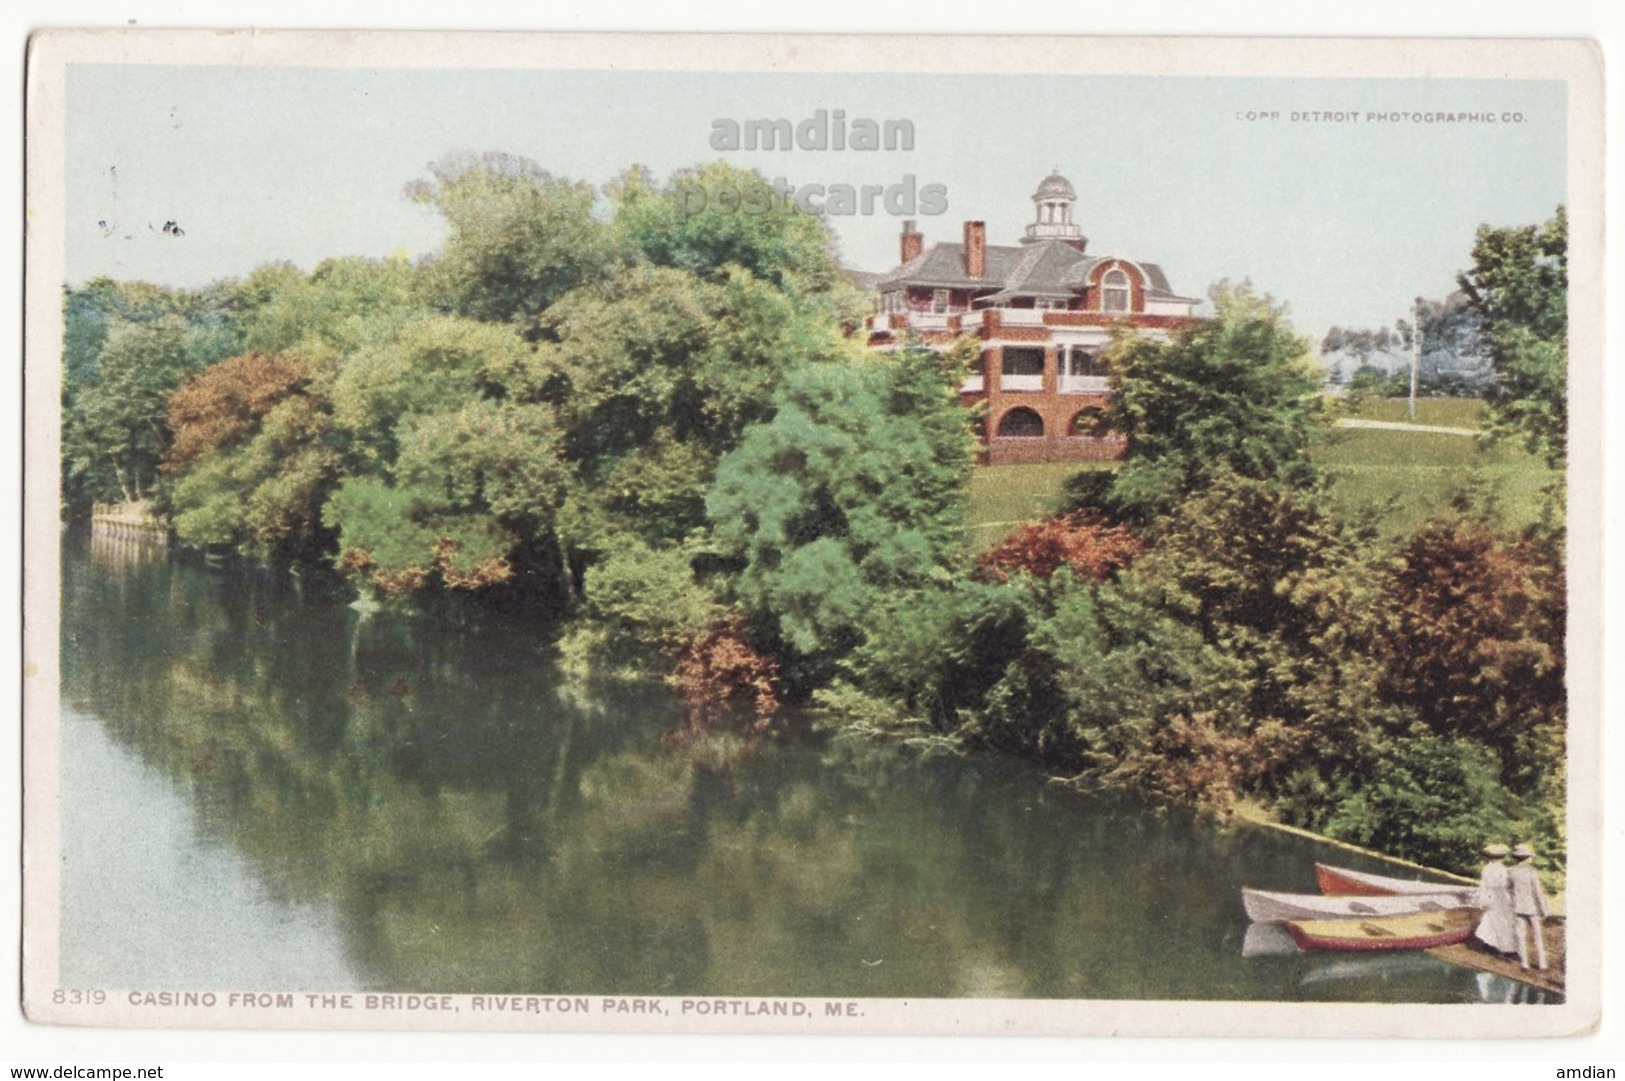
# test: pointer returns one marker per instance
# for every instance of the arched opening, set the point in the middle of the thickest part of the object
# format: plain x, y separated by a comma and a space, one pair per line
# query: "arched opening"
1089, 423
1021, 423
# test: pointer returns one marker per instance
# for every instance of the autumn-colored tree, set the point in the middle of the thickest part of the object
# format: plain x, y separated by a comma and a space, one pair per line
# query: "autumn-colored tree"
718, 669
223, 404
1079, 540
1477, 640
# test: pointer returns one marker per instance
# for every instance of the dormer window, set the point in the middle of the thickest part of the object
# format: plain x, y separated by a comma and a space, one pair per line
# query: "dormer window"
1114, 291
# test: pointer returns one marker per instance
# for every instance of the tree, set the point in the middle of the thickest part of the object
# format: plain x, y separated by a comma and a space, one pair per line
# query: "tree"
1380, 349
126, 345
114, 428
1077, 540
1455, 348
470, 487
91, 311
1519, 285
1476, 644
263, 494
279, 307
1288, 597
252, 458
520, 238
851, 492
1454, 358
656, 374
716, 216
455, 473
222, 404
1237, 393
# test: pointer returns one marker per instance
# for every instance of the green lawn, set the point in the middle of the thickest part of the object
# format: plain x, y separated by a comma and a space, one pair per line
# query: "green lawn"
1402, 477
1002, 497
1447, 412
1407, 477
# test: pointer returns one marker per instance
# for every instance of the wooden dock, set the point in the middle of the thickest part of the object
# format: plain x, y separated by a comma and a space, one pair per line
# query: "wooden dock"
1549, 980
126, 519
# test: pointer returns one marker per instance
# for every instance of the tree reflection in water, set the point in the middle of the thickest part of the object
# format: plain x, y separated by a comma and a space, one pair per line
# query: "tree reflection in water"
481, 825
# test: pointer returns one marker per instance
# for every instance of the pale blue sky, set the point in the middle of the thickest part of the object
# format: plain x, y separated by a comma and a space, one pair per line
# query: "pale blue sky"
1346, 222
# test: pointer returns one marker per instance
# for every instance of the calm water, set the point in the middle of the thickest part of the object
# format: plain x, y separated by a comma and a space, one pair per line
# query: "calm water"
267, 790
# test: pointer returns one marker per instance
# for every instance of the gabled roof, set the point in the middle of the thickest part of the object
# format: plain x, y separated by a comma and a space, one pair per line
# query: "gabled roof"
1044, 271
1048, 268
862, 279
942, 266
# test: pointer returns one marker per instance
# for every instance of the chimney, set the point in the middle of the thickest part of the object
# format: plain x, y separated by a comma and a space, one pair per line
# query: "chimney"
913, 241
976, 249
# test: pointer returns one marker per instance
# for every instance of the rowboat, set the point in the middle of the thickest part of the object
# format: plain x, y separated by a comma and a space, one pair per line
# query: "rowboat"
1264, 906
1421, 931
1338, 880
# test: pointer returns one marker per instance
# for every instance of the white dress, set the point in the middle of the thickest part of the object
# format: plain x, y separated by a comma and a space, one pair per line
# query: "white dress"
1497, 929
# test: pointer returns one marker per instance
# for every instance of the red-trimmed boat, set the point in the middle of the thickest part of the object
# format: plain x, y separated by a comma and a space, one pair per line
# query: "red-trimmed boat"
1419, 932
1340, 881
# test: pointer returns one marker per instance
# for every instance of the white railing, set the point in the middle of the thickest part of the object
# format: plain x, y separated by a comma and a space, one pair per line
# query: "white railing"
929, 320
972, 320
1085, 384
1021, 382
973, 384
1022, 317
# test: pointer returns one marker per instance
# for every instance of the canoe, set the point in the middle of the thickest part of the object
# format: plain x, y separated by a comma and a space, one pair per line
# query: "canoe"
1417, 932
1264, 906
1338, 880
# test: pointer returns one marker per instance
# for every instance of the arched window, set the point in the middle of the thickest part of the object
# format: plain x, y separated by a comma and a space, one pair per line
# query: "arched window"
1022, 423
1114, 291
1089, 423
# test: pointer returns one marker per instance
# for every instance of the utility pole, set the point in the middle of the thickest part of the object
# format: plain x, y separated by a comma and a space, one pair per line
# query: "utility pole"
1416, 352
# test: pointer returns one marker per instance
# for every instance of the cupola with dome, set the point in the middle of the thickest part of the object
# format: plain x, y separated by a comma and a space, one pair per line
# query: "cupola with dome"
1054, 199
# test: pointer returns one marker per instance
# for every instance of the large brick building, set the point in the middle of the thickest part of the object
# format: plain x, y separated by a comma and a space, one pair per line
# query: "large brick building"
1042, 310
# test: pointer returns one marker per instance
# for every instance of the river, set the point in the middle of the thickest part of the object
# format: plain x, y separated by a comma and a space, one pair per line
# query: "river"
265, 789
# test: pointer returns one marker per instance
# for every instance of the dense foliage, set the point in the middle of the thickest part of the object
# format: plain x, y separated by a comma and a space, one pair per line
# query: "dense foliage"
1519, 285
1237, 393
639, 423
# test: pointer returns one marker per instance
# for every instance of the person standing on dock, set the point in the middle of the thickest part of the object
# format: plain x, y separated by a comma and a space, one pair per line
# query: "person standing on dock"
1498, 928
1530, 904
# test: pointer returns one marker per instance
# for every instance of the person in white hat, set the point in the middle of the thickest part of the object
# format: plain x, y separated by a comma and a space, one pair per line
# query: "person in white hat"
1530, 905
1497, 928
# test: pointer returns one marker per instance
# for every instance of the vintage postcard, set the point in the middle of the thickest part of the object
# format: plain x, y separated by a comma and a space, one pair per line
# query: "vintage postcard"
813, 535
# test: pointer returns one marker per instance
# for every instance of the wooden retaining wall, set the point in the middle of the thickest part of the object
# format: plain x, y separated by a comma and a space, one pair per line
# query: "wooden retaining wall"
126, 519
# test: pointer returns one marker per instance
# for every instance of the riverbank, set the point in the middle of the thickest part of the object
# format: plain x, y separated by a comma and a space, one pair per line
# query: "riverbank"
1551, 979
